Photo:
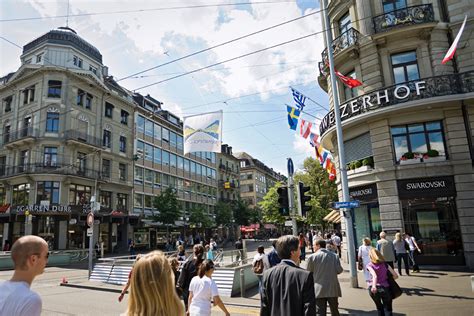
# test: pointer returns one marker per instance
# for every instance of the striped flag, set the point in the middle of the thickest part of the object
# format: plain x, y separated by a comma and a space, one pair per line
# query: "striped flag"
348, 81
299, 99
313, 140
450, 54
305, 128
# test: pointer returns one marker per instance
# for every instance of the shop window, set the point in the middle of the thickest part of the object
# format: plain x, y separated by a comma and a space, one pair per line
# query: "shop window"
109, 110
21, 194
107, 139
7, 103
50, 156
140, 124
3, 166
422, 140
79, 194
54, 89
392, 5
123, 144
405, 67
124, 117
105, 199
47, 191
106, 168
29, 95
122, 171
157, 155
52, 122
122, 201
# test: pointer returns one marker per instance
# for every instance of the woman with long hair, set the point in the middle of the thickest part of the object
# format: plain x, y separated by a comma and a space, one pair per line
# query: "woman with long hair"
401, 247
363, 257
202, 290
189, 271
127, 285
152, 290
379, 289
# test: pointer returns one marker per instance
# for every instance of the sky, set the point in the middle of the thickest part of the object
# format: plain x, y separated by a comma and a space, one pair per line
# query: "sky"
252, 91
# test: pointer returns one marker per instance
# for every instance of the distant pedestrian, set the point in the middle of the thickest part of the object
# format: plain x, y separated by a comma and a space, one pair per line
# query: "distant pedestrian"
273, 258
181, 256
260, 263
413, 252
364, 259
379, 289
189, 271
302, 244
386, 249
310, 240
336, 240
30, 256
213, 244
239, 245
131, 248
325, 266
401, 249
209, 253
286, 288
202, 290
6, 245
174, 263
127, 285
152, 290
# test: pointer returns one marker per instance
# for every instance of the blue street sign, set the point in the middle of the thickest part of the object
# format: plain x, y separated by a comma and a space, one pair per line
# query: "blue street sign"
291, 168
350, 204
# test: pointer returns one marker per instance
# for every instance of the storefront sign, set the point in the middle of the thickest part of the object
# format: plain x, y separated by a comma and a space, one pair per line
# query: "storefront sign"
374, 100
426, 187
5, 208
43, 209
364, 193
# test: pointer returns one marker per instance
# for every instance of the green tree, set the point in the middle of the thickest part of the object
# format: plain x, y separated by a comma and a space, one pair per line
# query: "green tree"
270, 207
243, 214
323, 191
223, 213
199, 218
168, 208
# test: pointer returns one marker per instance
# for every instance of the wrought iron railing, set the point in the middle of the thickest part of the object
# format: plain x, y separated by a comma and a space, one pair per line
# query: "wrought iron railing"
411, 15
83, 138
50, 168
420, 89
26, 132
343, 41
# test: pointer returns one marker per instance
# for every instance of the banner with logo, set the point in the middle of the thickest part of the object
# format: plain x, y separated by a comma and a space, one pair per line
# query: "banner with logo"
203, 132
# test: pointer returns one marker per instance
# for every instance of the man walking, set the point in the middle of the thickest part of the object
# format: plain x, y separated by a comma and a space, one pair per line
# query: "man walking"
30, 255
287, 289
325, 266
337, 242
386, 249
273, 258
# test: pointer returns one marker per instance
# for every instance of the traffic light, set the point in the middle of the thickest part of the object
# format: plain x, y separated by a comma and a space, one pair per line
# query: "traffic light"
283, 201
302, 199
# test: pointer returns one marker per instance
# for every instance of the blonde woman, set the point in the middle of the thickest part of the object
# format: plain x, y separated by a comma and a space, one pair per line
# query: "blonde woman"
125, 288
379, 289
363, 256
401, 253
152, 290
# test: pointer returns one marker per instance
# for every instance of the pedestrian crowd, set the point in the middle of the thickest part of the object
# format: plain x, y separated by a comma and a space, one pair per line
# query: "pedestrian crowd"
178, 285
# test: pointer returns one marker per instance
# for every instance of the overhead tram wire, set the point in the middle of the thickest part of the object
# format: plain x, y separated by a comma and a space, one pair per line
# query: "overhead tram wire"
219, 45
147, 10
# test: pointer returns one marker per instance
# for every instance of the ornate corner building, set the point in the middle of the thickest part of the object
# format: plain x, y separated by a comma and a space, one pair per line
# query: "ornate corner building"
408, 130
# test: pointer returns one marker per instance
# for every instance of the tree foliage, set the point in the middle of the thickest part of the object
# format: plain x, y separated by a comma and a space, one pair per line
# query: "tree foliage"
199, 218
270, 207
224, 214
168, 207
243, 214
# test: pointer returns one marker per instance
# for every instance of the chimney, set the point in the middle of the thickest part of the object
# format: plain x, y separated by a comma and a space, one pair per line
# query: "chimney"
105, 71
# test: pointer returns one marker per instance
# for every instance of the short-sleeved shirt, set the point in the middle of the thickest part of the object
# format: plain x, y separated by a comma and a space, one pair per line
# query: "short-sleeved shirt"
411, 244
204, 289
380, 270
16, 299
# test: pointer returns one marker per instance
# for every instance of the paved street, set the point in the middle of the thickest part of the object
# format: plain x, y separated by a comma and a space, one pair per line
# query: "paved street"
427, 293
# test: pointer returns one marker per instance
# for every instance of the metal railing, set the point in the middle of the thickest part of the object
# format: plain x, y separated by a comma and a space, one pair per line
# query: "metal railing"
13, 136
407, 16
83, 138
48, 167
343, 41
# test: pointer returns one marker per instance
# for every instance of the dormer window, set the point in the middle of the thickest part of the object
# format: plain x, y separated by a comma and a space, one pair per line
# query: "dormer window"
93, 69
77, 61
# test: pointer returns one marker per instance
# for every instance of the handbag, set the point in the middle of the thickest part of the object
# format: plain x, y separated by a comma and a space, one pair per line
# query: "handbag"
395, 290
360, 266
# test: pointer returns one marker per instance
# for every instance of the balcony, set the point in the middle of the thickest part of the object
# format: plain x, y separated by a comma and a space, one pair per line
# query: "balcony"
82, 138
20, 137
228, 184
425, 89
345, 40
418, 14
48, 168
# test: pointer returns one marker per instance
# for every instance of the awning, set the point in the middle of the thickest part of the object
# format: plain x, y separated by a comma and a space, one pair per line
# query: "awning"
331, 214
334, 217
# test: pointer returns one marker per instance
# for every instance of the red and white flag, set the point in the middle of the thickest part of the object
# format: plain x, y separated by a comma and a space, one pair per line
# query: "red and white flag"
305, 128
348, 81
450, 54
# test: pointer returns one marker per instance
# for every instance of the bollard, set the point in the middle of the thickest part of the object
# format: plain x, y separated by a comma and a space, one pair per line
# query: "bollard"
242, 283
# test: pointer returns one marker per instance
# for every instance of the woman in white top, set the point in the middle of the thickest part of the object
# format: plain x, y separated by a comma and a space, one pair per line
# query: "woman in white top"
363, 256
265, 264
202, 290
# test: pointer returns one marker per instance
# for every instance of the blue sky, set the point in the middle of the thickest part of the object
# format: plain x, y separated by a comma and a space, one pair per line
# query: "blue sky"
252, 91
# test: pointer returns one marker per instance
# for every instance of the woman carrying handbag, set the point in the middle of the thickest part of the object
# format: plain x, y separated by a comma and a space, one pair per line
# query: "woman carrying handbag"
379, 287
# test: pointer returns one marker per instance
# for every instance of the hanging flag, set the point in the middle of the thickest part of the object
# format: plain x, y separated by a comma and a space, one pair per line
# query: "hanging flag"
305, 128
348, 81
293, 116
313, 139
203, 132
450, 54
299, 99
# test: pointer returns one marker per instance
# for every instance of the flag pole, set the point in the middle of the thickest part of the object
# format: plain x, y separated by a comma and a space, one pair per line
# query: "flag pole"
340, 145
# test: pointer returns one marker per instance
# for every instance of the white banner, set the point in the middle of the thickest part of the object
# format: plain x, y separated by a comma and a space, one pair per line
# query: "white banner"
203, 132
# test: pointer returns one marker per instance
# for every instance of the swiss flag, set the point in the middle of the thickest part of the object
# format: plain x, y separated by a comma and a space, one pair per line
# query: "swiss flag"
348, 81
450, 54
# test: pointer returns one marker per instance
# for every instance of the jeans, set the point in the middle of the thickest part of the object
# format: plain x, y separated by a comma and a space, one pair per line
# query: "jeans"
321, 306
403, 256
412, 256
382, 300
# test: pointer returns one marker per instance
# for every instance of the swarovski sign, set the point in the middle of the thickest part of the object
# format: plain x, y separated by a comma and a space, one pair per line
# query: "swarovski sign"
426, 187
374, 100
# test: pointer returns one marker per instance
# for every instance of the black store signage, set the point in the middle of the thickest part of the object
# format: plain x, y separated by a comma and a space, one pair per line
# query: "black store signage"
426, 187
364, 193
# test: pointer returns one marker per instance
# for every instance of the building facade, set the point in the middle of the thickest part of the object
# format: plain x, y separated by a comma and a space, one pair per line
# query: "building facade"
65, 130
228, 173
408, 131
160, 164
255, 179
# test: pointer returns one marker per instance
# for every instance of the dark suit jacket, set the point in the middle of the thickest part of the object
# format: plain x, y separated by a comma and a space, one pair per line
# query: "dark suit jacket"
287, 290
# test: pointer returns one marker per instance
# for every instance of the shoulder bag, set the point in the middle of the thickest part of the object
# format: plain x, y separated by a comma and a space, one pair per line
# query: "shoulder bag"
395, 290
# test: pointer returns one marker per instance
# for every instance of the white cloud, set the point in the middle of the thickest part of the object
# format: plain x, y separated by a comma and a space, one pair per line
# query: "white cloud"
302, 146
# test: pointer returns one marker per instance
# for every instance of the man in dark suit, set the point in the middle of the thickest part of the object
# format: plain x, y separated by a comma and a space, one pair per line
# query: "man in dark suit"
288, 289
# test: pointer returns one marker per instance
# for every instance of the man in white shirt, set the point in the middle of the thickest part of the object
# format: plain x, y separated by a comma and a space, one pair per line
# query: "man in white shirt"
30, 255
